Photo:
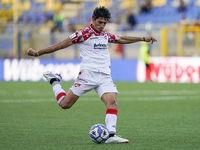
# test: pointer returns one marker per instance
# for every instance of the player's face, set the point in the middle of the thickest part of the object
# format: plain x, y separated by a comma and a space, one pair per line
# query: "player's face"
99, 23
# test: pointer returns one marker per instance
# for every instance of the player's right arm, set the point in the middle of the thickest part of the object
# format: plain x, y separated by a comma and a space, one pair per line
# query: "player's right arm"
50, 49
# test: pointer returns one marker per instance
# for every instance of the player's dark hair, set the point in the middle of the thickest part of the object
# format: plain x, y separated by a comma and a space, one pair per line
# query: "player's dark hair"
101, 12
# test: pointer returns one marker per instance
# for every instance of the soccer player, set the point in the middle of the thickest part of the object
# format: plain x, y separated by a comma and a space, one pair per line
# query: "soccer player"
95, 67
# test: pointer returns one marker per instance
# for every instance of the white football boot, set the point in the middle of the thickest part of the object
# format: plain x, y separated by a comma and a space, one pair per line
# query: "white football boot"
49, 75
116, 139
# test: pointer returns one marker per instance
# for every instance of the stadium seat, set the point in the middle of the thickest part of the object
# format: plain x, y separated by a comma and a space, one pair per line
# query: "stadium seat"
127, 4
40, 1
49, 14
159, 3
89, 4
197, 3
49, 6
26, 5
73, 21
175, 3
4, 2
106, 3
8, 6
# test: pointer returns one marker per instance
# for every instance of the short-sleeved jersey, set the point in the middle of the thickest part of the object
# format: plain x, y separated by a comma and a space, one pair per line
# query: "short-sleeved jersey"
93, 48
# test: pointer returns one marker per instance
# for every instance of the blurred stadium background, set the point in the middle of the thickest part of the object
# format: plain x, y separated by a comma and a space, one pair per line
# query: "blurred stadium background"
29, 23
152, 116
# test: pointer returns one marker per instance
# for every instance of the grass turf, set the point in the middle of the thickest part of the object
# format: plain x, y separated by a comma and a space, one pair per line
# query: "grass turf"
151, 115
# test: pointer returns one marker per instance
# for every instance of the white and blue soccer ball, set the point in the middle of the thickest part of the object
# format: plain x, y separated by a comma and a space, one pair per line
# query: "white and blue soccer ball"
99, 133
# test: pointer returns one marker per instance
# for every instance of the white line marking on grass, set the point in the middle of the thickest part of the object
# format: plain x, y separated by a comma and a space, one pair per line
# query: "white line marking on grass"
27, 100
155, 92
131, 92
166, 98
159, 92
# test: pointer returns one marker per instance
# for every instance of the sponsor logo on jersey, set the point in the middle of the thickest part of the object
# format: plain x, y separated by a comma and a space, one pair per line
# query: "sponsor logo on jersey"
72, 36
77, 84
93, 38
100, 46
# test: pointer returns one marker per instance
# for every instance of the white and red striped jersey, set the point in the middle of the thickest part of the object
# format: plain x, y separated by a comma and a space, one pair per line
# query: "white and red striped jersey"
93, 48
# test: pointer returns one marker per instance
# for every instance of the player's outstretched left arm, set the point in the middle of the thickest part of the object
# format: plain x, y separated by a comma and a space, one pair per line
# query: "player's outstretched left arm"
130, 39
50, 49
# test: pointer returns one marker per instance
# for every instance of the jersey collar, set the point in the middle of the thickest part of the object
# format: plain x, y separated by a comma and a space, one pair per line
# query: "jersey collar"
93, 29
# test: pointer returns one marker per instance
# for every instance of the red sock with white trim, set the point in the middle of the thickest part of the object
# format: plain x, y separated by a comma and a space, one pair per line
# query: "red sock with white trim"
58, 91
111, 120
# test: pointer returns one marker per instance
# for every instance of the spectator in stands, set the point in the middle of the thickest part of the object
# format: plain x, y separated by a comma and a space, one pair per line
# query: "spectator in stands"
146, 6
182, 6
130, 22
58, 22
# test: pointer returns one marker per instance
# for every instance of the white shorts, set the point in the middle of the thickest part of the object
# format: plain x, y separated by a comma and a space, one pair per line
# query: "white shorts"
88, 80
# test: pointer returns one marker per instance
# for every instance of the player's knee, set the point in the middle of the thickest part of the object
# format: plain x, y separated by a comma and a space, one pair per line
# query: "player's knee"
65, 105
114, 101
113, 104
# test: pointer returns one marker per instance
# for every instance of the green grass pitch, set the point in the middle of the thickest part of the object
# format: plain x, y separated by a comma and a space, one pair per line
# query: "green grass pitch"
152, 116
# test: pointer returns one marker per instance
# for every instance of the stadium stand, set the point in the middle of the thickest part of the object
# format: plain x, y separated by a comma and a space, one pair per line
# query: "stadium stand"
39, 13
167, 13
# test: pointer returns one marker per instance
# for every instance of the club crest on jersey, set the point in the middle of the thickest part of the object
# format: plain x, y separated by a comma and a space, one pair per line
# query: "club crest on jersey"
77, 84
105, 37
100, 46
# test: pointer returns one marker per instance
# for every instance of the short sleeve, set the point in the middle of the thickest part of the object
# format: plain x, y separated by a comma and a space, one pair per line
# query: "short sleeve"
112, 38
76, 37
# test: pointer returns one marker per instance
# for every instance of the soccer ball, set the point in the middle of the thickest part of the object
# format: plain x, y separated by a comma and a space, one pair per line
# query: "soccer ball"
99, 133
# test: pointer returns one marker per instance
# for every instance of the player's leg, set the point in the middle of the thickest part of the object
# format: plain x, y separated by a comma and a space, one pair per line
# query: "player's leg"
110, 100
64, 100
68, 100
107, 91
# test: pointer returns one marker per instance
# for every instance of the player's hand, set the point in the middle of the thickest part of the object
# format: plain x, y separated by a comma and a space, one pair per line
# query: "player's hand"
150, 39
32, 52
